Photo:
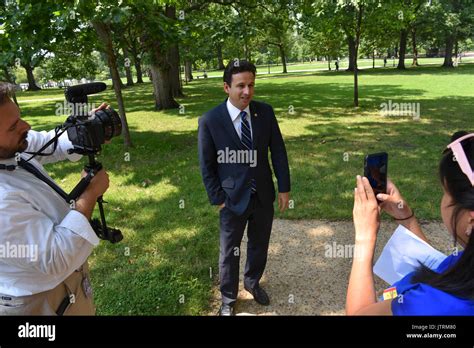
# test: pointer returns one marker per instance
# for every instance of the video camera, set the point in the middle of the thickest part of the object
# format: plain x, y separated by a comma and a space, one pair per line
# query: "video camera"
88, 132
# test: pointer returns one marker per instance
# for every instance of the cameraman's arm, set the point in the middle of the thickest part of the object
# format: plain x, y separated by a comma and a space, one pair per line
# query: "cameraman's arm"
86, 202
36, 140
62, 247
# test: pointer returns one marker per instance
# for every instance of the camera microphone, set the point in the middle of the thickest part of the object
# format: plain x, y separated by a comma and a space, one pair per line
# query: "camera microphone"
78, 94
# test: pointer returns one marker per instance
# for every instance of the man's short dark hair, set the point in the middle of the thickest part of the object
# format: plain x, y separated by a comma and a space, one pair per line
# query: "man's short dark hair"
6, 92
236, 66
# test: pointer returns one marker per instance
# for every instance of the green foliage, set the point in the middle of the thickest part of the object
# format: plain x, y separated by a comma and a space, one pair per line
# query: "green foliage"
72, 65
34, 29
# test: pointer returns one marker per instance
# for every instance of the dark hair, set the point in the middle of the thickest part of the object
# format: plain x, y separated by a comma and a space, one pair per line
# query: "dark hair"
237, 66
6, 92
457, 280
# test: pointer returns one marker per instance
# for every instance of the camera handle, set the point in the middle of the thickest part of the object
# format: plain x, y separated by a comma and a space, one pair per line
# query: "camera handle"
100, 227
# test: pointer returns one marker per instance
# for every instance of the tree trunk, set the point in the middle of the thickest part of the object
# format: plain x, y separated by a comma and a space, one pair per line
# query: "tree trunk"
32, 86
174, 71
246, 50
352, 52
138, 68
415, 50
128, 70
122, 86
104, 34
283, 58
220, 60
356, 86
188, 71
448, 55
137, 61
356, 49
329, 63
456, 51
172, 57
161, 78
373, 59
403, 49
162, 88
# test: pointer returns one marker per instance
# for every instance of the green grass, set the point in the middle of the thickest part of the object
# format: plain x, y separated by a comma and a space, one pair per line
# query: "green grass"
171, 250
344, 63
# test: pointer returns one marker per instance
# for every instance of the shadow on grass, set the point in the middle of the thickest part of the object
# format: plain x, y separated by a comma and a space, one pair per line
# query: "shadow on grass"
173, 239
164, 266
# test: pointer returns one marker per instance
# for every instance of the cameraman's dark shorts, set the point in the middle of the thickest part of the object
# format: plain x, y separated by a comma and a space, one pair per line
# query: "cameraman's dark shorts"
72, 297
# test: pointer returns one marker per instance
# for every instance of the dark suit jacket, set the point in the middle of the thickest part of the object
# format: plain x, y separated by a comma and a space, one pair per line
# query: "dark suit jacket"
230, 183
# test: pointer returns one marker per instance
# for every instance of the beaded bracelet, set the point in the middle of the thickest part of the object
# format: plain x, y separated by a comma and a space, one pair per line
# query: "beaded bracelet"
412, 214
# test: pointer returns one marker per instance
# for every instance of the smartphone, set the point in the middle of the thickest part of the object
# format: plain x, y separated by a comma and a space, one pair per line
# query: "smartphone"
375, 169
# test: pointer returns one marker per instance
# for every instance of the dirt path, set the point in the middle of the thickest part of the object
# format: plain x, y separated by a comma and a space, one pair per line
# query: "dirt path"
302, 278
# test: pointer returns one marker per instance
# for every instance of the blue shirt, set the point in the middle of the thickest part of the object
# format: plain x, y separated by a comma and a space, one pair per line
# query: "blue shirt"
423, 299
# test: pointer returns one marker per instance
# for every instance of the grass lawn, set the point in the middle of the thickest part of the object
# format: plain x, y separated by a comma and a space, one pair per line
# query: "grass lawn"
344, 63
170, 251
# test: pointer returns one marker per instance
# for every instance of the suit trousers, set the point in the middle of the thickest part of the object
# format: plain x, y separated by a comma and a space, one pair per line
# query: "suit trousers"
259, 219
48, 302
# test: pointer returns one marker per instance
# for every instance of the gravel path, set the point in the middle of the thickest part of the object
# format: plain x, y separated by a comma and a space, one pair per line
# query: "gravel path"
302, 278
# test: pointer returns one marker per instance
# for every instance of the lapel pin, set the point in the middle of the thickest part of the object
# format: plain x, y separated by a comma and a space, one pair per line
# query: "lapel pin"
390, 293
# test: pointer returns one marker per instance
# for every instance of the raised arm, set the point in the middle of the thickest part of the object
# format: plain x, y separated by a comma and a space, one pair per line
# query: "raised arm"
36, 140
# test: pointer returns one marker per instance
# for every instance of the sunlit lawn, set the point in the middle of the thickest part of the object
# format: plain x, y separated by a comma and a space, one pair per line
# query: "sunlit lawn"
170, 249
276, 67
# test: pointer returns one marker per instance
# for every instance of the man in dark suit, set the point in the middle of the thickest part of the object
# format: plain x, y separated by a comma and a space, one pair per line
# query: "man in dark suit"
233, 142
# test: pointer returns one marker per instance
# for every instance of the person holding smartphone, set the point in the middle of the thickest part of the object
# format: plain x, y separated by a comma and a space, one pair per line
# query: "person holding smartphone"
447, 290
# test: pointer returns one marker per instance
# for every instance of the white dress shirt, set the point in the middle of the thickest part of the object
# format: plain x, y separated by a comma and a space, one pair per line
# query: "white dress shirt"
236, 119
36, 217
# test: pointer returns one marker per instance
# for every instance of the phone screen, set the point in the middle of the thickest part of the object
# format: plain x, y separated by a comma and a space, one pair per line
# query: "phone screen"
375, 169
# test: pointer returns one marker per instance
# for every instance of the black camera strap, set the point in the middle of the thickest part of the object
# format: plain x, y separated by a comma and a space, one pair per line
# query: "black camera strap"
36, 172
54, 141
9, 168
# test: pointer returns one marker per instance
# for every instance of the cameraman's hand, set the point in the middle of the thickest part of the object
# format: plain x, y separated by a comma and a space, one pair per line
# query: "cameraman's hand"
101, 107
97, 187
393, 203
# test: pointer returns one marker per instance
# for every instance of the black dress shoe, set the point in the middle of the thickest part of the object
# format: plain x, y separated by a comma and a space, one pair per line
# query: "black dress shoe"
259, 295
226, 310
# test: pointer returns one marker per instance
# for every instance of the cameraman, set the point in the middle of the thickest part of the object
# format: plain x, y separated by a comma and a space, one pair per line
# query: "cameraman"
44, 241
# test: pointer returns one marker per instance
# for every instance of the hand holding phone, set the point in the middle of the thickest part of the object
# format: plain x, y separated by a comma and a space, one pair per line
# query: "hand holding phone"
375, 169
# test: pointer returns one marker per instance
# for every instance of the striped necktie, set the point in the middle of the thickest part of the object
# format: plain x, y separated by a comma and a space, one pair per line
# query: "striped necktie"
246, 138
